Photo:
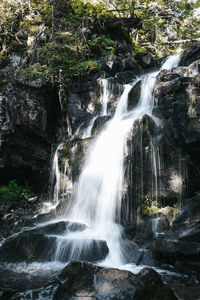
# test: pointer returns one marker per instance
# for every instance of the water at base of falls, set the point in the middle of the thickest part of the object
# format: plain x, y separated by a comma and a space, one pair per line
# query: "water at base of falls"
99, 190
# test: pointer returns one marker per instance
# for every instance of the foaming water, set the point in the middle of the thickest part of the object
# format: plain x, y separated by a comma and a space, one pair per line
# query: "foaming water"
99, 190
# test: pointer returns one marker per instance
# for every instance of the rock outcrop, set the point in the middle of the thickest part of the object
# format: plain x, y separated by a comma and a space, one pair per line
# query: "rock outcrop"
28, 121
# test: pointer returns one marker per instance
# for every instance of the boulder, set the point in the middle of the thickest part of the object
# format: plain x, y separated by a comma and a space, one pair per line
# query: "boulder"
28, 247
145, 60
191, 234
134, 96
190, 55
100, 123
125, 77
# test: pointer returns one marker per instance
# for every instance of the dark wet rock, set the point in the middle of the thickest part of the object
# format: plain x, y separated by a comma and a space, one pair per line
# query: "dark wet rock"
191, 234
55, 228
134, 95
100, 123
173, 248
62, 207
190, 55
74, 226
59, 227
156, 288
189, 267
125, 77
14, 217
145, 60
12, 280
85, 280
144, 229
69, 285
28, 247
113, 65
189, 213
130, 64
41, 293
184, 287
45, 217
126, 64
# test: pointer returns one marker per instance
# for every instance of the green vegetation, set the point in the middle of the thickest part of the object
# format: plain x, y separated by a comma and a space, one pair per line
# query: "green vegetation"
71, 35
163, 23
14, 193
149, 207
54, 35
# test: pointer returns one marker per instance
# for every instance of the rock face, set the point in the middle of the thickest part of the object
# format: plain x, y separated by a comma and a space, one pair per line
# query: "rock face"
28, 120
177, 95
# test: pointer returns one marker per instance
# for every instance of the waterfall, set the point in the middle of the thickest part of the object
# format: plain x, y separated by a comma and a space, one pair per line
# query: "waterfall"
99, 190
105, 97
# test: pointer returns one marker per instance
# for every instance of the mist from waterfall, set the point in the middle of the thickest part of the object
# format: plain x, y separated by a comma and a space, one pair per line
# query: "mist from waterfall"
99, 190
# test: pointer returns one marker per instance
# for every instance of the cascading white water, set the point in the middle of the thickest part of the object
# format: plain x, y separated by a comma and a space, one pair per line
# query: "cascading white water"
87, 132
105, 96
98, 194
55, 173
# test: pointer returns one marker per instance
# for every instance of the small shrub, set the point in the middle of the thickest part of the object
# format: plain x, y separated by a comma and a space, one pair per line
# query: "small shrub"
14, 193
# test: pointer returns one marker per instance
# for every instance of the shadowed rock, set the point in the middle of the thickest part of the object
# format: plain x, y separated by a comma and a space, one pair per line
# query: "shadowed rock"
28, 247
81, 249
